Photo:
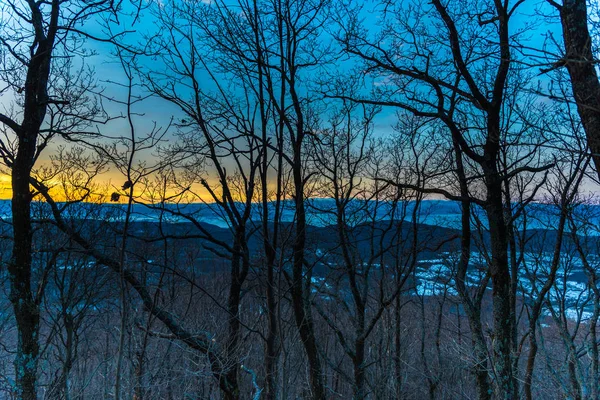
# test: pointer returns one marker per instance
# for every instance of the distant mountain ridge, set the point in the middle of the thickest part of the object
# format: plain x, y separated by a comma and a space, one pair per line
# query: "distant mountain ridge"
320, 212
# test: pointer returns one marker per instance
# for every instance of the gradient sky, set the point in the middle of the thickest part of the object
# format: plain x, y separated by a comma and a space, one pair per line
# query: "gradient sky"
159, 112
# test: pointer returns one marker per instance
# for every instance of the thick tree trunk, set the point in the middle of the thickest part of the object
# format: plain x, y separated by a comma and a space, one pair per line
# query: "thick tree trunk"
579, 61
472, 306
272, 340
272, 347
301, 304
576, 387
229, 381
481, 356
26, 310
359, 369
501, 288
270, 246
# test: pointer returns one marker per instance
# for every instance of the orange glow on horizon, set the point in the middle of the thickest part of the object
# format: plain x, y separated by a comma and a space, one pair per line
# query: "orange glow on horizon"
102, 189
5, 187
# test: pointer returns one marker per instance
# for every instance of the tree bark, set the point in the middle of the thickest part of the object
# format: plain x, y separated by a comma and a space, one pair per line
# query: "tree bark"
26, 308
579, 61
501, 284
301, 305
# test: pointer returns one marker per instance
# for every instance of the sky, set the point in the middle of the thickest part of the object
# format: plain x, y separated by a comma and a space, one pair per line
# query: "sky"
155, 112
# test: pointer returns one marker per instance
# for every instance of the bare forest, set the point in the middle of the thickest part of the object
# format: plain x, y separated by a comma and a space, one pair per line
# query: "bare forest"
299, 199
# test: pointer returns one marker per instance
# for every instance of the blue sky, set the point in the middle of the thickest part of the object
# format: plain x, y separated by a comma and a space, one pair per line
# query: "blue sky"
157, 111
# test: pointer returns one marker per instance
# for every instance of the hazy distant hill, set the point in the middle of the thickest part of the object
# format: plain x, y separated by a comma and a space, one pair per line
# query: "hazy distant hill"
439, 213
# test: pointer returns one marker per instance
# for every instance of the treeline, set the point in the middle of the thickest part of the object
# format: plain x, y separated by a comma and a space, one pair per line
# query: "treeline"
314, 131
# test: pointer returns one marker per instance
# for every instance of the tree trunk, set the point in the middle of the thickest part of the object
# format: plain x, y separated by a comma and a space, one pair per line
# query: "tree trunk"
301, 305
229, 380
472, 306
579, 61
530, 368
272, 347
359, 369
502, 340
26, 309
398, 347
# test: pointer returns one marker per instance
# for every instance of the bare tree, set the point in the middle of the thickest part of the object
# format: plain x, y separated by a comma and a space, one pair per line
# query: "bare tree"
277, 42
40, 41
580, 61
464, 84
